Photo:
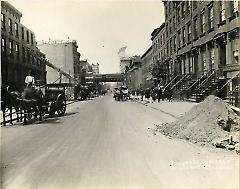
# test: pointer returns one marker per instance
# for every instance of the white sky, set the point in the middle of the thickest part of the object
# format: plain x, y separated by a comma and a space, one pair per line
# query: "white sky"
99, 27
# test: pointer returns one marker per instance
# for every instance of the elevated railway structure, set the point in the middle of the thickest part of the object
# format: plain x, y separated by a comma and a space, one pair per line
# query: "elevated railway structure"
116, 77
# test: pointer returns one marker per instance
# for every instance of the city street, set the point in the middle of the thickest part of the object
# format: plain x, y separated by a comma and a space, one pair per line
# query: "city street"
107, 144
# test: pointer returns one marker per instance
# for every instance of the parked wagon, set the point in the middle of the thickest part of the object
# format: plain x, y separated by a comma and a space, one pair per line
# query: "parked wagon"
49, 99
55, 98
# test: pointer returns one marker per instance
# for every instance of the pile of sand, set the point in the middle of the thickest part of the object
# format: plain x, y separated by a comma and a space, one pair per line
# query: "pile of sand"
209, 120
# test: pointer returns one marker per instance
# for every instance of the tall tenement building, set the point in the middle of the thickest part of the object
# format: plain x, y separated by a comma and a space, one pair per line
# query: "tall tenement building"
19, 53
95, 68
201, 45
63, 55
147, 62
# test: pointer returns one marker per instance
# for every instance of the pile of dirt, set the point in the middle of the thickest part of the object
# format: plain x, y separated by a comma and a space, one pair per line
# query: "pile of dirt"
206, 122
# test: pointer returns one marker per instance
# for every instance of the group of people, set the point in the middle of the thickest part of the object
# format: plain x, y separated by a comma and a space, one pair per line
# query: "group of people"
157, 93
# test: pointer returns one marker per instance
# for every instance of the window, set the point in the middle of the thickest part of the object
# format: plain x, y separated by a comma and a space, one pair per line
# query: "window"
210, 10
236, 51
202, 23
16, 29
190, 63
178, 15
23, 53
188, 7
28, 55
170, 25
184, 35
11, 48
22, 33
236, 55
163, 39
175, 44
170, 46
212, 57
183, 10
32, 39
3, 21
194, 4
195, 30
189, 32
3, 45
204, 61
167, 48
174, 22
166, 30
222, 10
166, 11
17, 50
169, 7
10, 25
28, 36
184, 65
179, 38
235, 5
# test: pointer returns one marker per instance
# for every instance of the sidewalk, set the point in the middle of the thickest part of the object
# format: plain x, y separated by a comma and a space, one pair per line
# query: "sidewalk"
173, 108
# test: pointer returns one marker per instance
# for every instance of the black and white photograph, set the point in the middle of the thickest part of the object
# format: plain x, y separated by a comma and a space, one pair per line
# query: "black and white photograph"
120, 94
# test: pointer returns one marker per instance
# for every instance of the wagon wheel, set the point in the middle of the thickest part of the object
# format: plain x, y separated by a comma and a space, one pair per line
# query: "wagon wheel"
29, 114
61, 105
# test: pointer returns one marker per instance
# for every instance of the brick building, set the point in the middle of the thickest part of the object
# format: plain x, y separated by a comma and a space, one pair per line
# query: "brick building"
202, 46
86, 72
159, 53
133, 73
19, 53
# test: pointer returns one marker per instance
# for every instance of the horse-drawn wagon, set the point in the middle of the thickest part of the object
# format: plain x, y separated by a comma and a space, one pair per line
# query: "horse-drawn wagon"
121, 93
33, 101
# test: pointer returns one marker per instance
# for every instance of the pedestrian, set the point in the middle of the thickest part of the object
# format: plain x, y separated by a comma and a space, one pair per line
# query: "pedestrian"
153, 95
147, 93
169, 94
142, 94
159, 93
164, 93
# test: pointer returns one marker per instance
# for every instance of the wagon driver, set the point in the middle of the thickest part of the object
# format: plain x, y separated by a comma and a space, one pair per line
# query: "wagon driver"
29, 80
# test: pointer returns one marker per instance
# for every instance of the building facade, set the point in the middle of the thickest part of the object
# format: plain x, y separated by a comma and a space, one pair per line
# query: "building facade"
87, 72
124, 61
19, 53
63, 55
146, 69
133, 73
202, 41
160, 58
95, 68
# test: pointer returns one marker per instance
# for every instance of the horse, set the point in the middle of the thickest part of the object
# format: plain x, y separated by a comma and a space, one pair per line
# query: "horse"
32, 101
8, 102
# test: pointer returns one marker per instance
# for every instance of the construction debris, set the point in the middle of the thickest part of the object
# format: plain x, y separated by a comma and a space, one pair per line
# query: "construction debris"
210, 122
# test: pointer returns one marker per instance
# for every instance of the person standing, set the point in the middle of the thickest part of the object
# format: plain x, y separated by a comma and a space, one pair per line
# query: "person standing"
142, 94
147, 93
153, 94
159, 94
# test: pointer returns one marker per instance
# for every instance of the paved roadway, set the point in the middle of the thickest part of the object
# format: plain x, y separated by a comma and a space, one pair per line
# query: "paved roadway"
104, 144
